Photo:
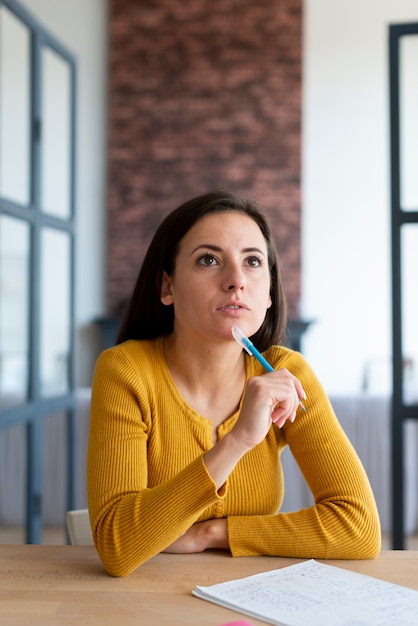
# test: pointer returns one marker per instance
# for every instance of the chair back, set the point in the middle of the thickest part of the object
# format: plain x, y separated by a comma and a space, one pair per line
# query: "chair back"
78, 527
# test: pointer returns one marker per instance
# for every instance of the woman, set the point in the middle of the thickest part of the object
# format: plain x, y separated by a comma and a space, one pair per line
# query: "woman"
187, 429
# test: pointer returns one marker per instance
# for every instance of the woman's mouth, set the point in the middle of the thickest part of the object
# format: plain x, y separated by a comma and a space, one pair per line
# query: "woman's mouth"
232, 309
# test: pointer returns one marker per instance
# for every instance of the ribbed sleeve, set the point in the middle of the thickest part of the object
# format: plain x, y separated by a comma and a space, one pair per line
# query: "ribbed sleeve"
344, 522
148, 483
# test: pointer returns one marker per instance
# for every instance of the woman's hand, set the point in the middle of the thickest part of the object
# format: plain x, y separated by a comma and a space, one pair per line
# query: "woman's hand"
272, 397
200, 537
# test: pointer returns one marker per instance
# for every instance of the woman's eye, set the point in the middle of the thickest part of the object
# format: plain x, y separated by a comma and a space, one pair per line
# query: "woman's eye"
207, 259
254, 261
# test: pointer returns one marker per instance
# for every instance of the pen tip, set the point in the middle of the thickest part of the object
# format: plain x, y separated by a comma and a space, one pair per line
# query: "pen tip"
239, 336
237, 333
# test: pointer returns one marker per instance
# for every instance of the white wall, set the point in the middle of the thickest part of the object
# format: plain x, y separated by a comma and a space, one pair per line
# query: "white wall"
81, 26
346, 189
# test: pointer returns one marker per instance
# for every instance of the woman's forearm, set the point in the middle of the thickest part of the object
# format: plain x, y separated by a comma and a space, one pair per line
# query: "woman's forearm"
223, 457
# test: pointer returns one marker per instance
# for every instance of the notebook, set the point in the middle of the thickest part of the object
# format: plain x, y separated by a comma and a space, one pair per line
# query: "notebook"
314, 593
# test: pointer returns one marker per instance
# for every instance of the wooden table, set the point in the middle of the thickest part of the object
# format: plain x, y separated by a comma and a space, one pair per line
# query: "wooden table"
58, 585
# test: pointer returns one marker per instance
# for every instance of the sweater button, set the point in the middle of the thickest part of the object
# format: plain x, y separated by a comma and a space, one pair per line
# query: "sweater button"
218, 510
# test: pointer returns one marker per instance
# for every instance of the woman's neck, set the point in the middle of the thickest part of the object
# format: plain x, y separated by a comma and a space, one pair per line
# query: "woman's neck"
204, 366
211, 382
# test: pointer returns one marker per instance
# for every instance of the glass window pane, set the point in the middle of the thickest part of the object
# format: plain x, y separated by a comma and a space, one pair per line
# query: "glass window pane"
56, 135
13, 460
14, 108
14, 311
54, 468
409, 122
410, 311
55, 312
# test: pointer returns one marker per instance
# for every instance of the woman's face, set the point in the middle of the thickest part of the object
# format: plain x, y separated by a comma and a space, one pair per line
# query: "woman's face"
221, 277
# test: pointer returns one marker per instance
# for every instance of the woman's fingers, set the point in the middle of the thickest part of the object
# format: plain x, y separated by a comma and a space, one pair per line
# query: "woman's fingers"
273, 396
281, 420
277, 392
286, 409
298, 385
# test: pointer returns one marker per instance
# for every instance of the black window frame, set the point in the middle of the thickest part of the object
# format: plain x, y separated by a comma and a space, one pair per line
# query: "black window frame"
400, 218
37, 407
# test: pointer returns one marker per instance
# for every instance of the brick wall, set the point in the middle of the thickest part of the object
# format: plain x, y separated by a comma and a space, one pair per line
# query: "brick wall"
203, 94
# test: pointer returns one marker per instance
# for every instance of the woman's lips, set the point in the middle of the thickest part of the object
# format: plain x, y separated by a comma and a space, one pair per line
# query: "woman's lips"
233, 308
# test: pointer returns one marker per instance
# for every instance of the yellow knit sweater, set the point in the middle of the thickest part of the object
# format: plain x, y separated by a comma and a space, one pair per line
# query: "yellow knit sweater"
148, 483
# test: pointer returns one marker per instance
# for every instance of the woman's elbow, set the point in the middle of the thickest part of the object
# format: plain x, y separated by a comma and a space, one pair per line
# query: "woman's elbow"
366, 535
115, 562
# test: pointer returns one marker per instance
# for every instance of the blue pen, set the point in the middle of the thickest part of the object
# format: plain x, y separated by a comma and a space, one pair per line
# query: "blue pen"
248, 345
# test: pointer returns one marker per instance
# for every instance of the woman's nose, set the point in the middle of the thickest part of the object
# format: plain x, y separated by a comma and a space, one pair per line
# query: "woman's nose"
235, 280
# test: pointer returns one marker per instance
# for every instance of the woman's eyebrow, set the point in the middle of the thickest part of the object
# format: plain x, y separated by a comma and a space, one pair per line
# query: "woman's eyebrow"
206, 246
211, 246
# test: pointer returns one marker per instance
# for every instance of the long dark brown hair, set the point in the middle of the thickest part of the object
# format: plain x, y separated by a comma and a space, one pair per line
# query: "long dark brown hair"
147, 318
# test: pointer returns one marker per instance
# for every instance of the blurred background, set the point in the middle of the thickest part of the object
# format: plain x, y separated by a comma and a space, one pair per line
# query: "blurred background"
112, 113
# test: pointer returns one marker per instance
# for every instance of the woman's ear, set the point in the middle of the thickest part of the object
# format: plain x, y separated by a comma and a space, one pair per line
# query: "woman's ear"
165, 295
